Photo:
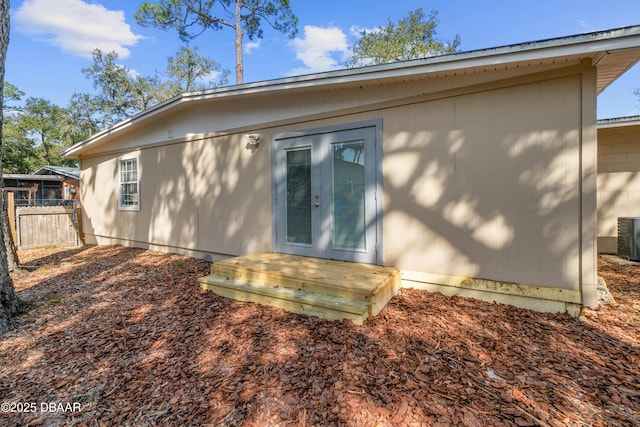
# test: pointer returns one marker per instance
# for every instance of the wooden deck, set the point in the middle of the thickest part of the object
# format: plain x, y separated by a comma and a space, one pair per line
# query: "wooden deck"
318, 287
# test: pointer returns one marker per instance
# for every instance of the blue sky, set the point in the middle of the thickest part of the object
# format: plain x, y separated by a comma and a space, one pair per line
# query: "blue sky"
52, 40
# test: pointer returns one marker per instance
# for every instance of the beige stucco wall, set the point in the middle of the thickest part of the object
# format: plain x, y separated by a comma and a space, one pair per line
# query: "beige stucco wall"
481, 179
618, 181
487, 185
208, 196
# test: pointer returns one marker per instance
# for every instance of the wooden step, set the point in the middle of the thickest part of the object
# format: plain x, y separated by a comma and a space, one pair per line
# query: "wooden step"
337, 278
320, 287
293, 300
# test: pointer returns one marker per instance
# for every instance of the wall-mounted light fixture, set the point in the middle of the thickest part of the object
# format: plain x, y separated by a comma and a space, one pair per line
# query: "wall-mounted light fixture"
254, 141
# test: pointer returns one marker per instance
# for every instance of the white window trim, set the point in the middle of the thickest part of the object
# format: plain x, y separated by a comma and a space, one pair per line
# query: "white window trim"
119, 195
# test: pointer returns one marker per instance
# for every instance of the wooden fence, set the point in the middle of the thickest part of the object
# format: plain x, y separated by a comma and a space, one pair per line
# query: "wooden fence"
46, 226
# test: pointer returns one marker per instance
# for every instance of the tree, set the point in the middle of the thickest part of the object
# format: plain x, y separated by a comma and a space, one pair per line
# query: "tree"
11, 93
413, 37
36, 133
115, 100
188, 72
41, 121
81, 120
9, 302
193, 17
19, 154
16, 153
145, 91
122, 93
636, 92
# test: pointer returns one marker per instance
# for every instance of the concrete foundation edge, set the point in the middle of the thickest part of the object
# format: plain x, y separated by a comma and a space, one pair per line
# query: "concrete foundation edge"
536, 298
91, 239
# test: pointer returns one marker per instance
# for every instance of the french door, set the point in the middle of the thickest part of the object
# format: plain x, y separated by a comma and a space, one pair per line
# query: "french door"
326, 185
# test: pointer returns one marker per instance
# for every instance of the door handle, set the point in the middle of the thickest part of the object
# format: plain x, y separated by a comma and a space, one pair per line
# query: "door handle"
317, 205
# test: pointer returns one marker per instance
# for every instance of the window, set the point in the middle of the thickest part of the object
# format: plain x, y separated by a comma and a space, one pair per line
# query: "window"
129, 197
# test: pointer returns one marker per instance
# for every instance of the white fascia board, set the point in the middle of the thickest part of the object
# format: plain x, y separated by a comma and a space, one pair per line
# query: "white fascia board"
32, 177
618, 122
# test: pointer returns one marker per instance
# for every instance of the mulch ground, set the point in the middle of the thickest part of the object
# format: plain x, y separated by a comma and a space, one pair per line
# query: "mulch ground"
114, 336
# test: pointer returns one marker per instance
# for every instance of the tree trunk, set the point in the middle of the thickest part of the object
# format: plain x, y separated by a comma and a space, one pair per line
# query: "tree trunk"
239, 35
9, 303
12, 254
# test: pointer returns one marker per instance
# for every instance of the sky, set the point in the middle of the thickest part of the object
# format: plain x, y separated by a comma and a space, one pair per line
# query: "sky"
51, 41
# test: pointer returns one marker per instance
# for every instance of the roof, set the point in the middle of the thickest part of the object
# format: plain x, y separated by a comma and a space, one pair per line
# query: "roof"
71, 173
613, 52
32, 177
46, 173
618, 122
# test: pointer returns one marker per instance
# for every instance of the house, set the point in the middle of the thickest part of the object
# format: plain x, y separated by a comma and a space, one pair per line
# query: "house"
48, 184
473, 173
618, 177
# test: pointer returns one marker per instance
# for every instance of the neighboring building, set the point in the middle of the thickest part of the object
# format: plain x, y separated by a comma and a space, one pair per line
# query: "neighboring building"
474, 173
70, 183
47, 183
618, 177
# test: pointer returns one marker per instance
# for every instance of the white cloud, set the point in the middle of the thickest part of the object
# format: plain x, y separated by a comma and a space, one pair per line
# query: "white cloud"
75, 26
356, 31
133, 73
211, 78
319, 48
251, 46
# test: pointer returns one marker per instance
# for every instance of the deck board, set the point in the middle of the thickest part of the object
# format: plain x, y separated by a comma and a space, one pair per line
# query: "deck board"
361, 277
310, 298
320, 287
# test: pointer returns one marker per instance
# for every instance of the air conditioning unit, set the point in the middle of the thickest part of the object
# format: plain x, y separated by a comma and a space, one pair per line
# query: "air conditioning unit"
629, 238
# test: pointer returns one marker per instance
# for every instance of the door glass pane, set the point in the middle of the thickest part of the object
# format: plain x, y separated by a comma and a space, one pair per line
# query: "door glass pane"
348, 195
299, 196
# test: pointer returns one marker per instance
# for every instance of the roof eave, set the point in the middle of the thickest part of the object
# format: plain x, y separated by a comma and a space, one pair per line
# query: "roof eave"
32, 177
618, 122
590, 44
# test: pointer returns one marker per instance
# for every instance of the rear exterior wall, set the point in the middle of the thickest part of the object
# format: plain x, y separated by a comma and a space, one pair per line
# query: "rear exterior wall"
491, 182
